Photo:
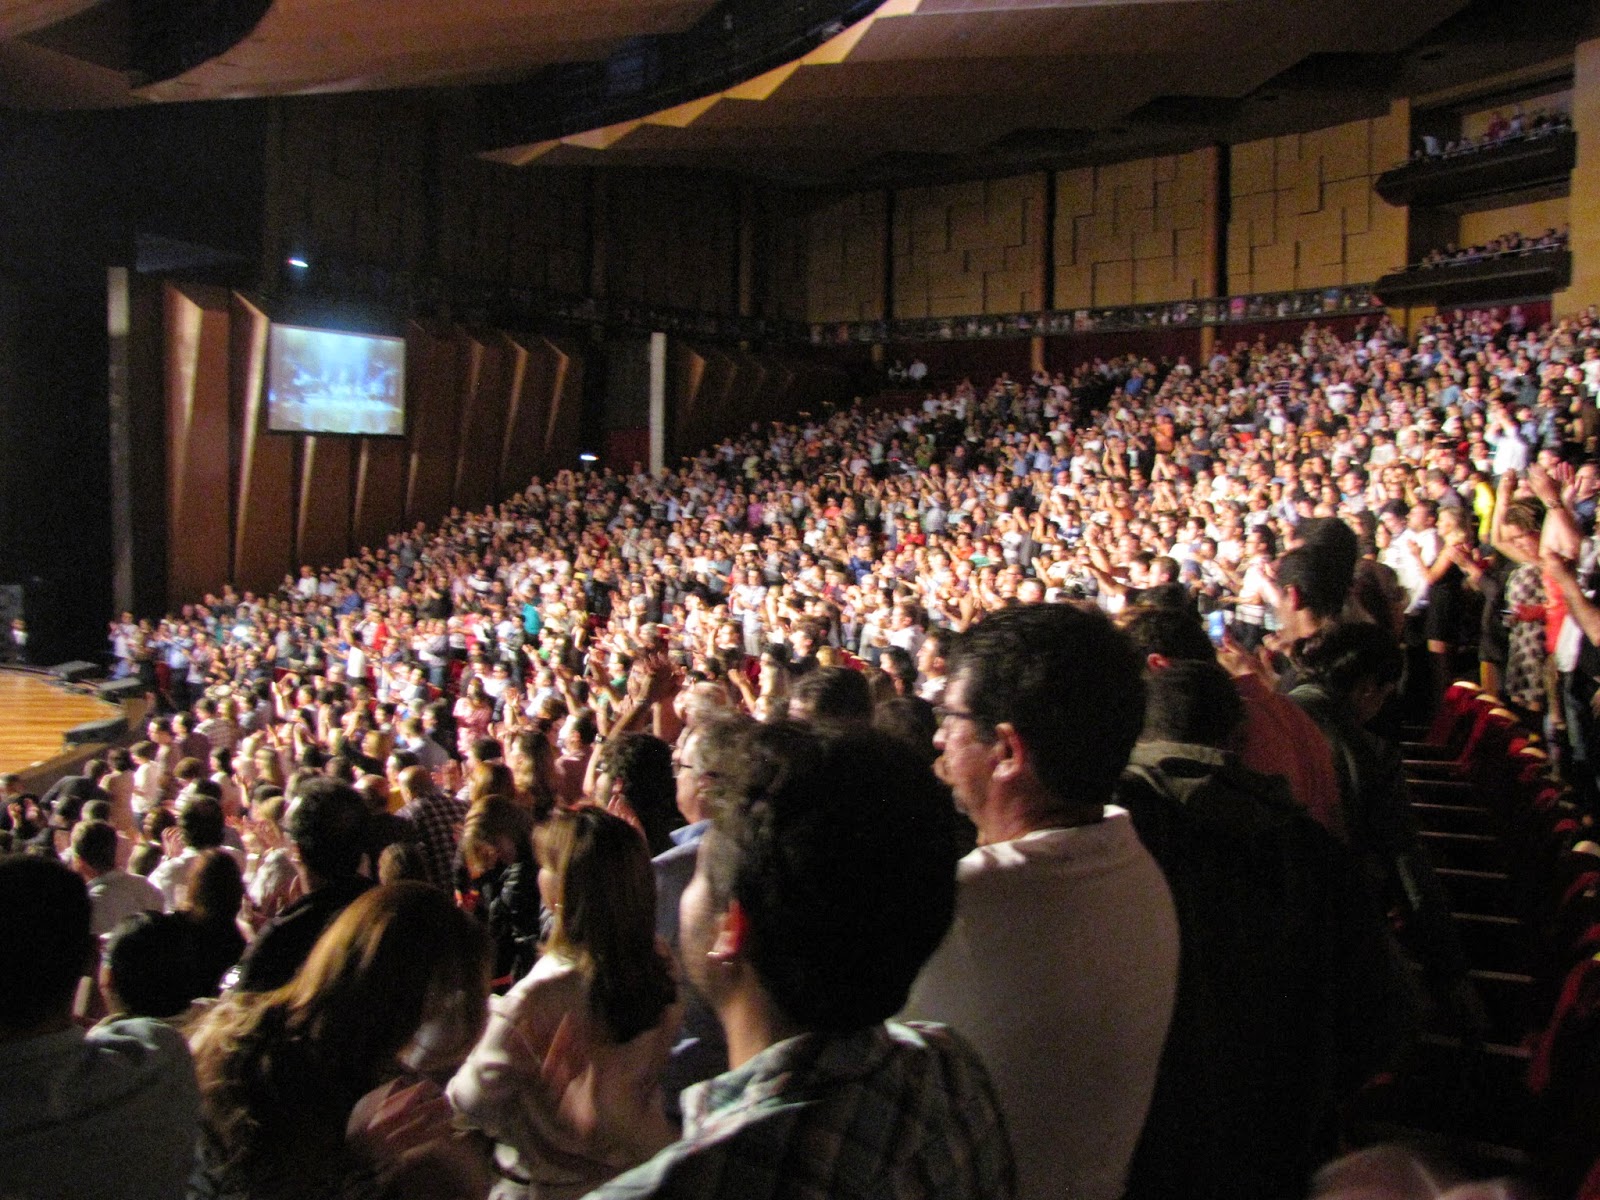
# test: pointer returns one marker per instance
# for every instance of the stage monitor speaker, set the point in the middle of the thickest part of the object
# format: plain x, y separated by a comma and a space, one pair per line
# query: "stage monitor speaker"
118, 690
108, 730
76, 671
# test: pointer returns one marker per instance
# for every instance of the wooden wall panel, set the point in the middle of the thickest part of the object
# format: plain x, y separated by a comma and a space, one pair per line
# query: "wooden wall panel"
1304, 213
970, 248
380, 491
845, 259
523, 455
483, 428
510, 476
322, 533
199, 509
564, 423
264, 505
432, 376
1136, 232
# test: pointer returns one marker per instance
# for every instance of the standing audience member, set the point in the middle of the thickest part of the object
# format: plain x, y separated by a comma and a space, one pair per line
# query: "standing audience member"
825, 881
71, 1101
1043, 707
327, 829
437, 818
113, 894
328, 1087
567, 1075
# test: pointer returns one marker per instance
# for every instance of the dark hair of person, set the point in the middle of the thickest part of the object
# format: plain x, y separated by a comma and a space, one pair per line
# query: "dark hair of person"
96, 810
216, 888
833, 696
400, 862
912, 720
839, 845
533, 776
44, 940
1349, 654
280, 1071
1192, 701
1067, 681
1174, 633
144, 858
1324, 565
94, 843
151, 959
157, 821
605, 917
201, 822
897, 663
641, 765
328, 827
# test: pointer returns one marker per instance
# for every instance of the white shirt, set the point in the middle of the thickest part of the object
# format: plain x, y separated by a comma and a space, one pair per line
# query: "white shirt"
116, 895
1068, 1006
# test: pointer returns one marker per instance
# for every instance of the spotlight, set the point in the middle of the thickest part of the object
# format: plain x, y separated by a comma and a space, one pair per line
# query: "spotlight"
297, 262
588, 458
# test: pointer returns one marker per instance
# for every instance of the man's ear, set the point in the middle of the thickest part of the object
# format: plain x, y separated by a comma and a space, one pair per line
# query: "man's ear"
733, 934
1008, 753
1295, 598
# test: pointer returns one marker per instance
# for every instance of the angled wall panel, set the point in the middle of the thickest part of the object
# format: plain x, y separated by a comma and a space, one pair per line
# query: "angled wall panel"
199, 507
264, 508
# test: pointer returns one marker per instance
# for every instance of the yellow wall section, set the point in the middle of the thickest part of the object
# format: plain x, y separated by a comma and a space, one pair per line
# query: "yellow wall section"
1585, 212
966, 248
1303, 210
1530, 220
1135, 232
844, 256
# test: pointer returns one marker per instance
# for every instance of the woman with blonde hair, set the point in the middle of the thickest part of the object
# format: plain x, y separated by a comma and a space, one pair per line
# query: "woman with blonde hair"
566, 1077
316, 1088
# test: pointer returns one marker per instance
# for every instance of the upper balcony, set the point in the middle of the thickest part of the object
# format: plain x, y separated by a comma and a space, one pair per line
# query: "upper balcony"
1514, 164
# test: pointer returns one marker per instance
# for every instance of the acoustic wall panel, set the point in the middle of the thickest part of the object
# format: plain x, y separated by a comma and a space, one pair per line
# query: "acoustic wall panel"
432, 361
264, 505
199, 510
322, 533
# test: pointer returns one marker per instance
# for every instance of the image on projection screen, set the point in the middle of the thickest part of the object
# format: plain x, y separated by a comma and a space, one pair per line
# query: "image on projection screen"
324, 381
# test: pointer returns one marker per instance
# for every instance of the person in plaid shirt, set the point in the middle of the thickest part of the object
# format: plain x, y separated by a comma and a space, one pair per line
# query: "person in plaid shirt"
437, 818
825, 881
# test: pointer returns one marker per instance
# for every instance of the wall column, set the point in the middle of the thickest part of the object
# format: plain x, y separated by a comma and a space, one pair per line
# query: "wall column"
1584, 220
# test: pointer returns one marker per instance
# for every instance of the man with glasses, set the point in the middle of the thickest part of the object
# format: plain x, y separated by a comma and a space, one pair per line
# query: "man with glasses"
1062, 964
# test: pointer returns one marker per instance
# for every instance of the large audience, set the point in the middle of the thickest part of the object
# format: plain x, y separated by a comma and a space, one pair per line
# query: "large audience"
828, 815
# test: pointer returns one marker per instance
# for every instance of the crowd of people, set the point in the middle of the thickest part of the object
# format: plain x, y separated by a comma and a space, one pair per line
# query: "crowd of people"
1506, 245
1500, 130
828, 816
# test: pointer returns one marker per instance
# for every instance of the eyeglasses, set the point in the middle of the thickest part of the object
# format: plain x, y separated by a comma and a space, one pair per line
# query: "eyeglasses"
942, 713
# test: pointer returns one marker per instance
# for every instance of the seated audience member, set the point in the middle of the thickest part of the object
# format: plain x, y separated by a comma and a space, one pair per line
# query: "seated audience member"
826, 879
329, 1087
833, 697
72, 1103
566, 1077
1043, 707
1287, 997
113, 894
633, 780
437, 818
327, 829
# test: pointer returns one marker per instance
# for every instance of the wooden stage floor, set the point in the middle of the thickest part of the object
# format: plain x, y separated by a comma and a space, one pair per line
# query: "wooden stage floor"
35, 710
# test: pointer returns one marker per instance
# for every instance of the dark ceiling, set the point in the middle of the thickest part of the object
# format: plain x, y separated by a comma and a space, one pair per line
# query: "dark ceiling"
922, 90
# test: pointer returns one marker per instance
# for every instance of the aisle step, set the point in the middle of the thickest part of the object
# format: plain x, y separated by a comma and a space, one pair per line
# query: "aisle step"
1476, 891
1452, 818
1492, 943
1464, 851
